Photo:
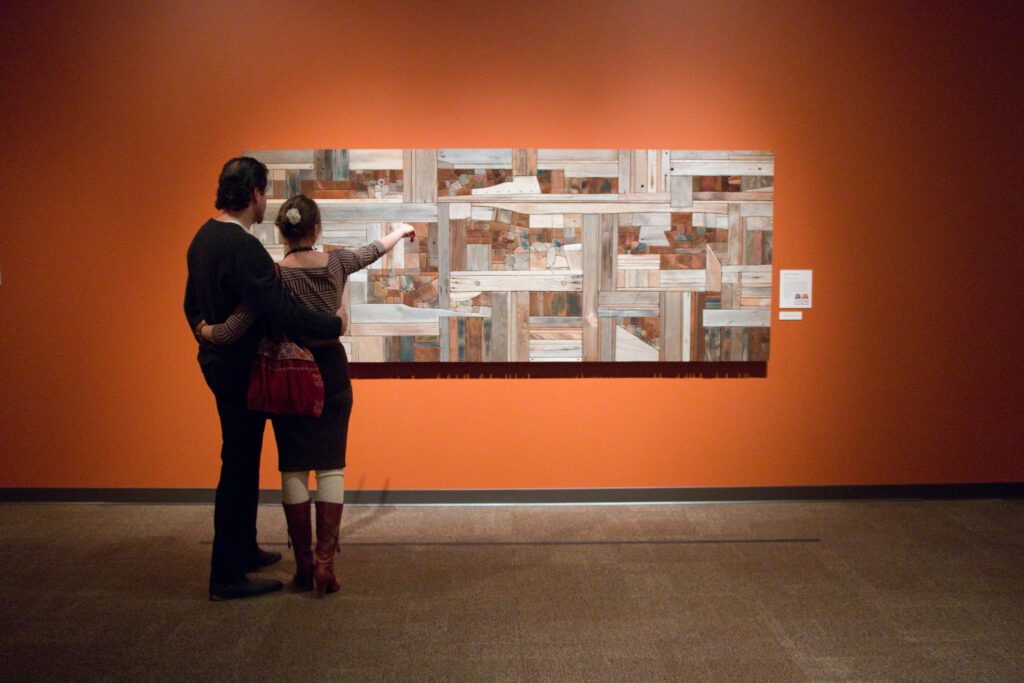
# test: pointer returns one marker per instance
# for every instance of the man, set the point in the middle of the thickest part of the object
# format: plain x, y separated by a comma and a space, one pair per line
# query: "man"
226, 265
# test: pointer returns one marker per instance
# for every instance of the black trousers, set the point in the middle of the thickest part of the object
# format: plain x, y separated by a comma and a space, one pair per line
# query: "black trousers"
237, 499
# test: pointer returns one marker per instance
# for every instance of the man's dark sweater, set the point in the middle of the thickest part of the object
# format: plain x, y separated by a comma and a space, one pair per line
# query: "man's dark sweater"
225, 266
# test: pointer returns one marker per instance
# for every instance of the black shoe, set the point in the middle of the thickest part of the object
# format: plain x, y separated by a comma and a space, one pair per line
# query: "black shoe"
263, 558
244, 588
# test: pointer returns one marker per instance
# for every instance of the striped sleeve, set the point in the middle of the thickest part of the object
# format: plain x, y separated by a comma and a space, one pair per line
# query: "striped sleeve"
352, 260
237, 324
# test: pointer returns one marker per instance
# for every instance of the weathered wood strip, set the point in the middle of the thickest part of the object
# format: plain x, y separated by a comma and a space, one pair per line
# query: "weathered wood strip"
629, 348
759, 197
517, 281
720, 154
687, 324
606, 334
394, 329
713, 282
671, 327
592, 241
625, 170
692, 280
737, 318
555, 156
423, 177
355, 211
681, 191
476, 158
375, 159
723, 168
609, 251
760, 209
735, 236
614, 300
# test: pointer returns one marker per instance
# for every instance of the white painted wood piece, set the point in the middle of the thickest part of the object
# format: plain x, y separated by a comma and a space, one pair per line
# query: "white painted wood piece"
555, 156
750, 209
720, 154
375, 159
349, 211
722, 168
518, 185
639, 262
629, 347
755, 276
476, 158
662, 220
393, 329
758, 223
687, 280
737, 318
517, 281
459, 211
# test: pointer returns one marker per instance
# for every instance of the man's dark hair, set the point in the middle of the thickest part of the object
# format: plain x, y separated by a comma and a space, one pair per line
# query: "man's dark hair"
239, 177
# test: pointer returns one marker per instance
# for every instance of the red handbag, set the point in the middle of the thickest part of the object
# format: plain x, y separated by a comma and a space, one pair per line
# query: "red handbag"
285, 380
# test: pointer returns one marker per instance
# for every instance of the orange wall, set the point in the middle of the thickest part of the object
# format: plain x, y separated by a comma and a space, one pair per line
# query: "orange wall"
898, 155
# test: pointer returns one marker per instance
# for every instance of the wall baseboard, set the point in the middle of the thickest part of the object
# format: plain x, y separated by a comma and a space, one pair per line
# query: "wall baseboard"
543, 496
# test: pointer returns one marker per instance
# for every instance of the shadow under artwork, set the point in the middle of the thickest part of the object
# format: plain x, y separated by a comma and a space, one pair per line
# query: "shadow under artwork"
533, 255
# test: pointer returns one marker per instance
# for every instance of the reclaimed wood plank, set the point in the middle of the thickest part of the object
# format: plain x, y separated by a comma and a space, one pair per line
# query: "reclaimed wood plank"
713, 281
625, 165
686, 307
375, 159
671, 327
606, 334
367, 349
554, 156
735, 236
722, 167
592, 241
393, 329
720, 154
476, 158
357, 211
517, 281
697, 337
520, 305
758, 209
609, 251
638, 171
691, 280
424, 176
628, 348
681, 191
737, 318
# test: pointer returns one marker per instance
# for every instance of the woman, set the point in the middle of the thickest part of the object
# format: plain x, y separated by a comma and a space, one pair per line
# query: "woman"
317, 280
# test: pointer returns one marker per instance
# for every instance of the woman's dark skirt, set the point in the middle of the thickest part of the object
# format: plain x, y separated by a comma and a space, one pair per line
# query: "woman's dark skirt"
318, 443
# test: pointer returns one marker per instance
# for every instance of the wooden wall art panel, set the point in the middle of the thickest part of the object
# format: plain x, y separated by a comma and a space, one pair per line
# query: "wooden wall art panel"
534, 255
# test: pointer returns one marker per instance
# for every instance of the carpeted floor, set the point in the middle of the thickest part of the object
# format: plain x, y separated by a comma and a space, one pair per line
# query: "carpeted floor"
894, 590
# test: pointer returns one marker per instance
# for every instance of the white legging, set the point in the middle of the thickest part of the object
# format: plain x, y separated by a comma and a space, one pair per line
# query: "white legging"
330, 486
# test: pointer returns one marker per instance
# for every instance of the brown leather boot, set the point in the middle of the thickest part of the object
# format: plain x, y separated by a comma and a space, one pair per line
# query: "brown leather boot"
328, 522
300, 531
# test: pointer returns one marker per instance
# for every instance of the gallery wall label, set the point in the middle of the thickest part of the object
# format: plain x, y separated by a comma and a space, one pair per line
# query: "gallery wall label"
795, 288
540, 255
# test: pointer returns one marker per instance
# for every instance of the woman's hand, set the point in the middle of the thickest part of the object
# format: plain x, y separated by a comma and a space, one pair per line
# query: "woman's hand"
397, 233
407, 231
205, 331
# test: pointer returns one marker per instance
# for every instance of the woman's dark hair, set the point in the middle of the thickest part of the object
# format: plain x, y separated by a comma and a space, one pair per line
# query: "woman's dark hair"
302, 221
239, 177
